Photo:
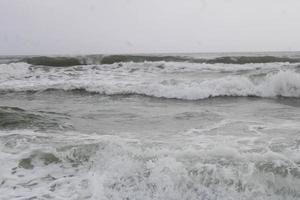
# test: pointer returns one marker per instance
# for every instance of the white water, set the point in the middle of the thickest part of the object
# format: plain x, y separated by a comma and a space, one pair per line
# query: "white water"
109, 167
133, 148
168, 80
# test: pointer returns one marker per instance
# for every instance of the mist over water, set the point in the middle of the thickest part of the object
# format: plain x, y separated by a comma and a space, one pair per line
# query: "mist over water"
163, 127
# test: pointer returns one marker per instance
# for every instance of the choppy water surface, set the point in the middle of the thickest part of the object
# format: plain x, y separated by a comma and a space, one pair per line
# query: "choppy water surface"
139, 127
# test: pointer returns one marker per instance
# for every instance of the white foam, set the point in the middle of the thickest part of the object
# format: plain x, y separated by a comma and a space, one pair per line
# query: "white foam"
147, 79
109, 167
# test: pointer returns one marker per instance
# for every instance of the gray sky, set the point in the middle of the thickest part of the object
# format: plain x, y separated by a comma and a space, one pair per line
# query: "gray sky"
148, 26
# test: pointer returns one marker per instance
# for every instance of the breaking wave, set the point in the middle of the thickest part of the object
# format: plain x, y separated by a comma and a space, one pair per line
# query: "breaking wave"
163, 80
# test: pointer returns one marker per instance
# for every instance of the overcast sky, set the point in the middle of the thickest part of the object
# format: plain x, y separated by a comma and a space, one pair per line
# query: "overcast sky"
148, 26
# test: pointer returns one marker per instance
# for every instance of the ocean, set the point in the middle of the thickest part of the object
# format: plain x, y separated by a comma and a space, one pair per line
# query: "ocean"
215, 126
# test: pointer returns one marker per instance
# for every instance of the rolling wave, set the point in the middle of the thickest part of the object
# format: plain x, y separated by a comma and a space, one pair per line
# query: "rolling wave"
53, 61
111, 59
226, 60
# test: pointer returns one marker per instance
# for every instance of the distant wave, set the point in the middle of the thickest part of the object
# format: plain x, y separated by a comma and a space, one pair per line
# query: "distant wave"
124, 80
111, 59
226, 60
53, 61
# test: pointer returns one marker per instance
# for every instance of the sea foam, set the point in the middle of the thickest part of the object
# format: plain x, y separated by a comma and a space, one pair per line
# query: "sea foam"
163, 80
79, 166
